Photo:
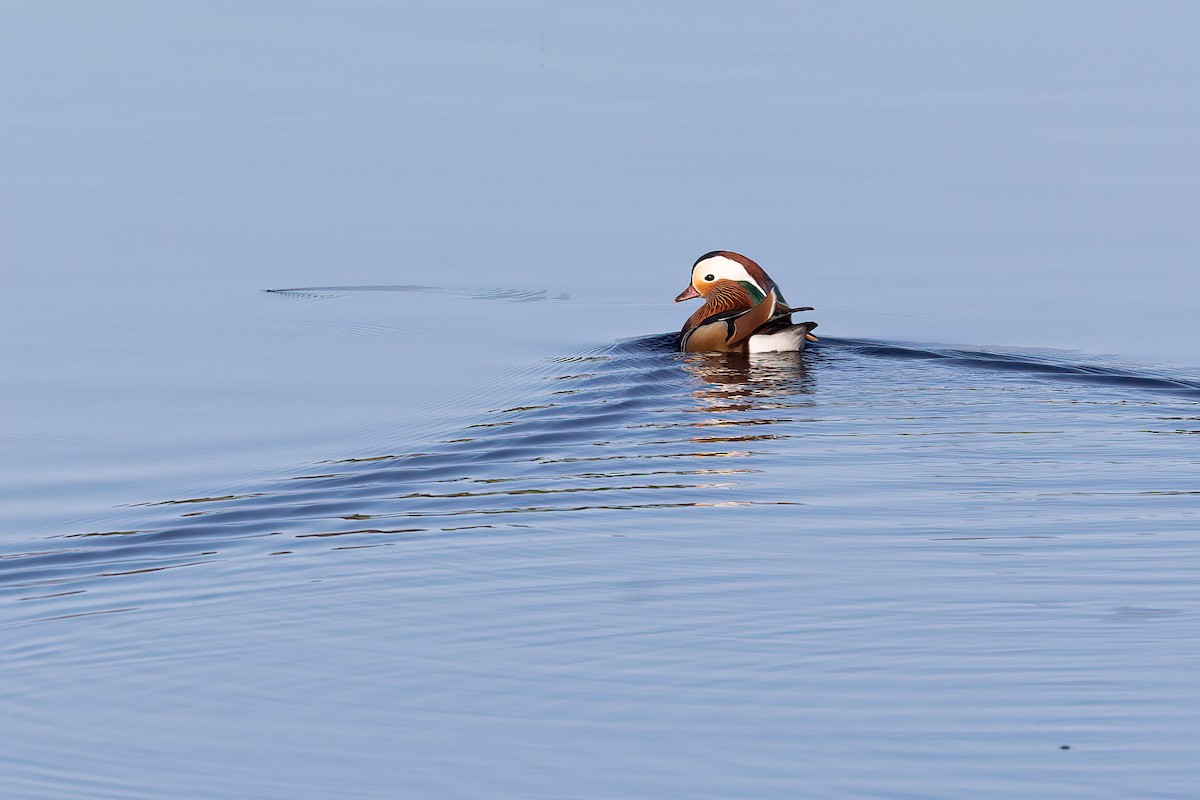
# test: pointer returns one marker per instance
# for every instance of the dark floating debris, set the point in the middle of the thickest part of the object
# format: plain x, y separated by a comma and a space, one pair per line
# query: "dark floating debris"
494, 293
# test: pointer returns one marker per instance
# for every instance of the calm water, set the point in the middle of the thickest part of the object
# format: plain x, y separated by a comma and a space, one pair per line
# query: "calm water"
450, 518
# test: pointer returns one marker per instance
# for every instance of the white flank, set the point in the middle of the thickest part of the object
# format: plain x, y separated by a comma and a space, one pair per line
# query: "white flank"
785, 340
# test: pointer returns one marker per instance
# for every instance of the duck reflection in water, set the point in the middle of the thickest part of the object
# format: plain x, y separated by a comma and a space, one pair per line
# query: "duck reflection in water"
736, 389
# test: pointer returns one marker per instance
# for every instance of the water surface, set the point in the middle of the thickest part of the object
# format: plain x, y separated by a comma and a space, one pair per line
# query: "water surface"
446, 515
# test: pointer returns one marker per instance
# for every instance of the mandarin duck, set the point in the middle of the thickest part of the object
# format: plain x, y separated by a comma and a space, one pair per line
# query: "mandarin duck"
743, 310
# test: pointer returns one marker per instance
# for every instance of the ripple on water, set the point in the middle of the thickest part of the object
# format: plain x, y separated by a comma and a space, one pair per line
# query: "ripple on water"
766, 565
641, 405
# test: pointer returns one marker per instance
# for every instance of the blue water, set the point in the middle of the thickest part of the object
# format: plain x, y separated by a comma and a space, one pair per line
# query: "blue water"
346, 452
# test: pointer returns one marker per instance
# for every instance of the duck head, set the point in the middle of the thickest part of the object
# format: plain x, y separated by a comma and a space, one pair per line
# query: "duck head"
726, 265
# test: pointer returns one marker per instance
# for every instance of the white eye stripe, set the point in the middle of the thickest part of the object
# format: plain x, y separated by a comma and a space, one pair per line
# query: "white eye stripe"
722, 267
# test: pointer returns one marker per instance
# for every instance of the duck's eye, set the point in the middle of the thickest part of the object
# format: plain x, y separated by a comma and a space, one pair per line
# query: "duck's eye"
710, 277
